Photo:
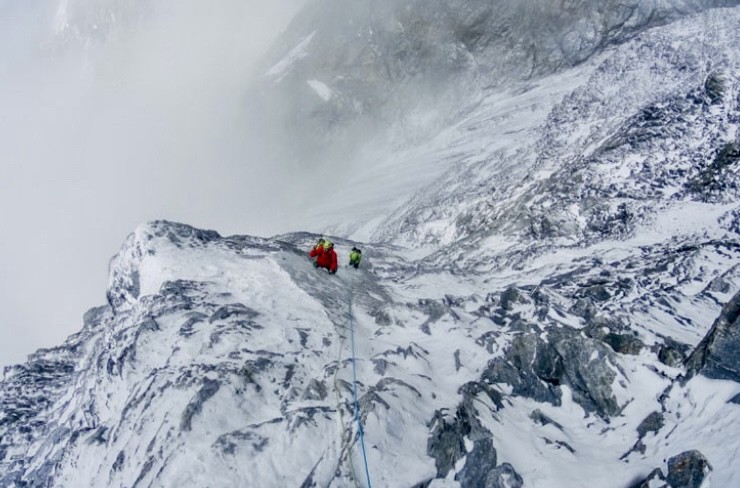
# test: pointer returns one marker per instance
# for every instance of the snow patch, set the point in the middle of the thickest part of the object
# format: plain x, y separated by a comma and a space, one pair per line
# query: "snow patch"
321, 89
280, 69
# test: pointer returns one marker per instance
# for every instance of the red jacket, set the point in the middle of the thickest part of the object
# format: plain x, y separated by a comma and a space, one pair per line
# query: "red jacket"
325, 258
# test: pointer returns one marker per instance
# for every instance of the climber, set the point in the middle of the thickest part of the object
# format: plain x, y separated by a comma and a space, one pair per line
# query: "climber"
320, 244
316, 250
355, 257
325, 256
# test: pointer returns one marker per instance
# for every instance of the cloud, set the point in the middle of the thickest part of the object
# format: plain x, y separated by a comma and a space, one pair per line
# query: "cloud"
103, 127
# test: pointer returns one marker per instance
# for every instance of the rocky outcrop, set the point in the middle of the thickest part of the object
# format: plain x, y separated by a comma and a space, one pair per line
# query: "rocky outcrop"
686, 470
124, 276
718, 355
447, 442
536, 368
531, 366
655, 479
28, 394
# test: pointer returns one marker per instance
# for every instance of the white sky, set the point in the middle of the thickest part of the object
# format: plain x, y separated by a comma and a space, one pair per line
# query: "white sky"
96, 140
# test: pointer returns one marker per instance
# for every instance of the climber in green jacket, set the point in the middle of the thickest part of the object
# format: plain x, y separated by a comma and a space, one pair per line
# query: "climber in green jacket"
355, 256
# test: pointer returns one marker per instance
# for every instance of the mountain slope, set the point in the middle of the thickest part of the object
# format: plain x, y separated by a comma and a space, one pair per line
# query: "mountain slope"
402, 69
228, 363
548, 298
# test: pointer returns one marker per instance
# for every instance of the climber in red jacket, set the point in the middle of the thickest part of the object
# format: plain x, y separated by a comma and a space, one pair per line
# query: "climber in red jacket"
325, 256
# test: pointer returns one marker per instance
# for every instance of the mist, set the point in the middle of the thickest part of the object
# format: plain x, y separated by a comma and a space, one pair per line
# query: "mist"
104, 126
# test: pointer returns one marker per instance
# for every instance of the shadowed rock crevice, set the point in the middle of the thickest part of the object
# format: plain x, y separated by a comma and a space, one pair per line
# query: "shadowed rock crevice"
209, 388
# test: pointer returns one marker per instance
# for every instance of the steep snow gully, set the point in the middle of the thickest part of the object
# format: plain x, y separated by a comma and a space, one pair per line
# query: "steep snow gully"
549, 298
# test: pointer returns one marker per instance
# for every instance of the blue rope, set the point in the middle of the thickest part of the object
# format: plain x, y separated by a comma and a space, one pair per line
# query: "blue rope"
354, 388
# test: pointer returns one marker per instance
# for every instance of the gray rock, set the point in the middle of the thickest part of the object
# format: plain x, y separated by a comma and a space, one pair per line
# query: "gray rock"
688, 470
655, 479
446, 442
504, 476
316, 390
652, 423
543, 419
120, 459
715, 88
598, 292
585, 308
478, 464
672, 353
531, 366
235, 309
716, 177
535, 369
588, 368
718, 355
624, 343
96, 316
720, 285
511, 296
735, 399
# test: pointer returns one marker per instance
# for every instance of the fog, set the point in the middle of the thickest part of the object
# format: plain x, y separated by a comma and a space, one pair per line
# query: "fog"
105, 126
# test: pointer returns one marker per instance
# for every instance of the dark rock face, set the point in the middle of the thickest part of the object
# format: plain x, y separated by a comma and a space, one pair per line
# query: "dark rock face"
26, 394
446, 443
652, 423
543, 419
715, 179
672, 353
510, 297
654, 479
718, 355
504, 476
688, 470
536, 369
588, 368
532, 366
714, 88
209, 388
624, 343
478, 464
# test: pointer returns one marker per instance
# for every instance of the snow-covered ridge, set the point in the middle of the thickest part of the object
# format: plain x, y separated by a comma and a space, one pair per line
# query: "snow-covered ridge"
234, 352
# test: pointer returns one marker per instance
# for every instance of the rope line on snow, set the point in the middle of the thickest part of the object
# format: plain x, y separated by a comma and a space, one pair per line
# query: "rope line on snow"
361, 429
345, 431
